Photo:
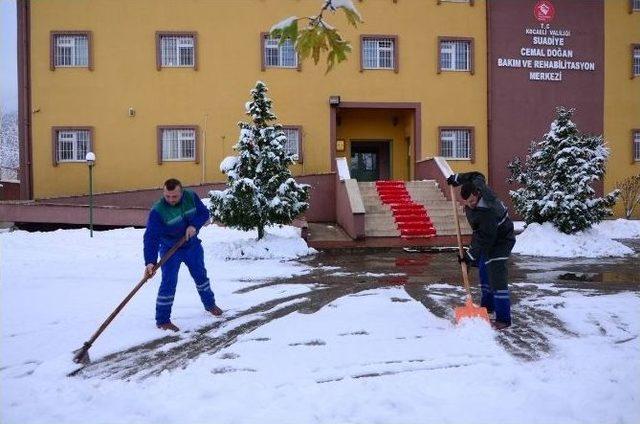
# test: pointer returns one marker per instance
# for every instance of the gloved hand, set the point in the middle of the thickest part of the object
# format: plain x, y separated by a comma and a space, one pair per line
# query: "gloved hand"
464, 259
451, 180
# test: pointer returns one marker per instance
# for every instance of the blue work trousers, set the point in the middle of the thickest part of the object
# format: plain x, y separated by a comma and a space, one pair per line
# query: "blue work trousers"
495, 292
193, 256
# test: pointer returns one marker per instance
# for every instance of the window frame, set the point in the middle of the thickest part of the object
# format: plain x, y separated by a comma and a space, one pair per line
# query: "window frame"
469, 40
470, 2
160, 34
53, 36
634, 47
635, 134
395, 68
632, 6
472, 149
159, 132
54, 142
298, 128
264, 36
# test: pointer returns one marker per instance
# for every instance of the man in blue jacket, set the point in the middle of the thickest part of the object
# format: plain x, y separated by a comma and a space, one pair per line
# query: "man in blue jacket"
179, 213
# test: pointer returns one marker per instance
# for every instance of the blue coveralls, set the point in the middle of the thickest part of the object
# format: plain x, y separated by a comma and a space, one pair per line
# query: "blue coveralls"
165, 226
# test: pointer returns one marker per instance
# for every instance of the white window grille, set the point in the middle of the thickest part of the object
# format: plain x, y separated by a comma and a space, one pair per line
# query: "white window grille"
378, 53
279, 56
72, 145
454, 55
636, 61
636, 5
71, 51
177, 51
636, 145
292, 145
455, 144
178, 144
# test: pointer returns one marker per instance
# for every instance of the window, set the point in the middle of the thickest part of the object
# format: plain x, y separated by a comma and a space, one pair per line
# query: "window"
70, 49
278, 56
636, 145
294, 141
456, 54
176, 50
635, 48
456, 143
635, 5
379, 52
71, 144
177, 143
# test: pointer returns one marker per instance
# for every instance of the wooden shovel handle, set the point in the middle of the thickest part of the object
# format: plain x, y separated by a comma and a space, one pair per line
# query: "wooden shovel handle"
463, 265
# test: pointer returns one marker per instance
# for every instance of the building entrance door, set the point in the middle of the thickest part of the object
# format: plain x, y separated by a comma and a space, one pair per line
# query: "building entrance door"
370, 160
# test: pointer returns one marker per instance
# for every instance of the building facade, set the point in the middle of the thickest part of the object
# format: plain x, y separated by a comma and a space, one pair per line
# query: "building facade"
155, 88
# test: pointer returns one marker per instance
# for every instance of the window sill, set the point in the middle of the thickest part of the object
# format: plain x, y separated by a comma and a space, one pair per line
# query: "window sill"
179, 160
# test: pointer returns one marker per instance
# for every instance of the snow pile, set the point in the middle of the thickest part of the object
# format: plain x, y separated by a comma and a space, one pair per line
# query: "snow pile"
546, 240
619, 228
278, 243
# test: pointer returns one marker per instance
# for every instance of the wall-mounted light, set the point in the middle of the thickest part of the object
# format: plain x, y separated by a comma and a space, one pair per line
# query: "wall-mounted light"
132, 112
334, 100
340, 145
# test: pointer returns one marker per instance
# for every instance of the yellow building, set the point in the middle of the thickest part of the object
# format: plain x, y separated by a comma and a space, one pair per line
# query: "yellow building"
155, 88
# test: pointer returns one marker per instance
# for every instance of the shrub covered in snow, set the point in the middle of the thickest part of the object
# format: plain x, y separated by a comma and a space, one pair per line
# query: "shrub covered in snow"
260, 188
557, 176
629, 194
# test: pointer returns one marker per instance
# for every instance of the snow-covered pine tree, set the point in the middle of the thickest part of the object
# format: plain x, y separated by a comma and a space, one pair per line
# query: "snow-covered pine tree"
260, 188
557, 178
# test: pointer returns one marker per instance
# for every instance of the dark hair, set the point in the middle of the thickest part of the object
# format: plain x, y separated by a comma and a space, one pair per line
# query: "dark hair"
467, 190
172, 183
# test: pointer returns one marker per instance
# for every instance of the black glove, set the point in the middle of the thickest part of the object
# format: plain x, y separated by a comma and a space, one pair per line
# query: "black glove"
463, 258
451, 180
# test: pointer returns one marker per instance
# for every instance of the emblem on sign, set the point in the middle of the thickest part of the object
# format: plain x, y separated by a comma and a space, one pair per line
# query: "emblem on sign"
544, 11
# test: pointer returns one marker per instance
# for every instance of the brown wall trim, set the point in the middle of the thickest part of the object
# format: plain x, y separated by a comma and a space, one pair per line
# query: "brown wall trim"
471, 52
472, 140
54, 140
439, 2
300, 140
52, 47
23, 10
634, 131
160, 34
363, 37
161, 128
634, 46
417, 126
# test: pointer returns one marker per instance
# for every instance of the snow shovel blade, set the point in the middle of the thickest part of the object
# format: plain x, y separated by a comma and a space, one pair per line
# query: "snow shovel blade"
469, 310
81, 356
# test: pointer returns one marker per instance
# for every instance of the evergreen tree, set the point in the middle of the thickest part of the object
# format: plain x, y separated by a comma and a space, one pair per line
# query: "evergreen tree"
260, 188
557, 178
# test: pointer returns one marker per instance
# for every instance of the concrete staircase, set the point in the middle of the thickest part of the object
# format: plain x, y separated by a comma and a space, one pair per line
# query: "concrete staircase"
379, 220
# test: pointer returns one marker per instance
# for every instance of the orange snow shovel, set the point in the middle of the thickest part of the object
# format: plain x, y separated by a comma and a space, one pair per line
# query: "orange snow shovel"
81, 356
469, 310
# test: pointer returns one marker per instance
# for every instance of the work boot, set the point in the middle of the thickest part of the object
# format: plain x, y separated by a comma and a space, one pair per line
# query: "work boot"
168, 326
215, 311
499, 325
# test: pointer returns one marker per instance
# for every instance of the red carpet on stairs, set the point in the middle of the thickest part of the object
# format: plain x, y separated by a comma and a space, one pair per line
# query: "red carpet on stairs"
411, 218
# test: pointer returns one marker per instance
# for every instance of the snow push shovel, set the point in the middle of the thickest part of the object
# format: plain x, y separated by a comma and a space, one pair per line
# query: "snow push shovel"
81, 356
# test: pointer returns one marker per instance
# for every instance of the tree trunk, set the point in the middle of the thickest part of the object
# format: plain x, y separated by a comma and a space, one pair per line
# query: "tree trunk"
260, 231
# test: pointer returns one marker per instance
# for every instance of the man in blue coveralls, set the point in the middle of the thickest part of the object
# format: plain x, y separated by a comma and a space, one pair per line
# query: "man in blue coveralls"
179, 213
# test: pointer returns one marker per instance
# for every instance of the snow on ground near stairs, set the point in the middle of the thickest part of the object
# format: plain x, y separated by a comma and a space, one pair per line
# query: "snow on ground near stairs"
362, 358
596, 242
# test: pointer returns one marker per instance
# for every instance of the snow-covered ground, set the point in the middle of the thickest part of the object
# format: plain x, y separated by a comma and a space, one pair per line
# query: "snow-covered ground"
546, 240
378, 356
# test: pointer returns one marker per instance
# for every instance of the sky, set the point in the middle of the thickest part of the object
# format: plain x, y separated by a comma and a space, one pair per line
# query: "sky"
8, 56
